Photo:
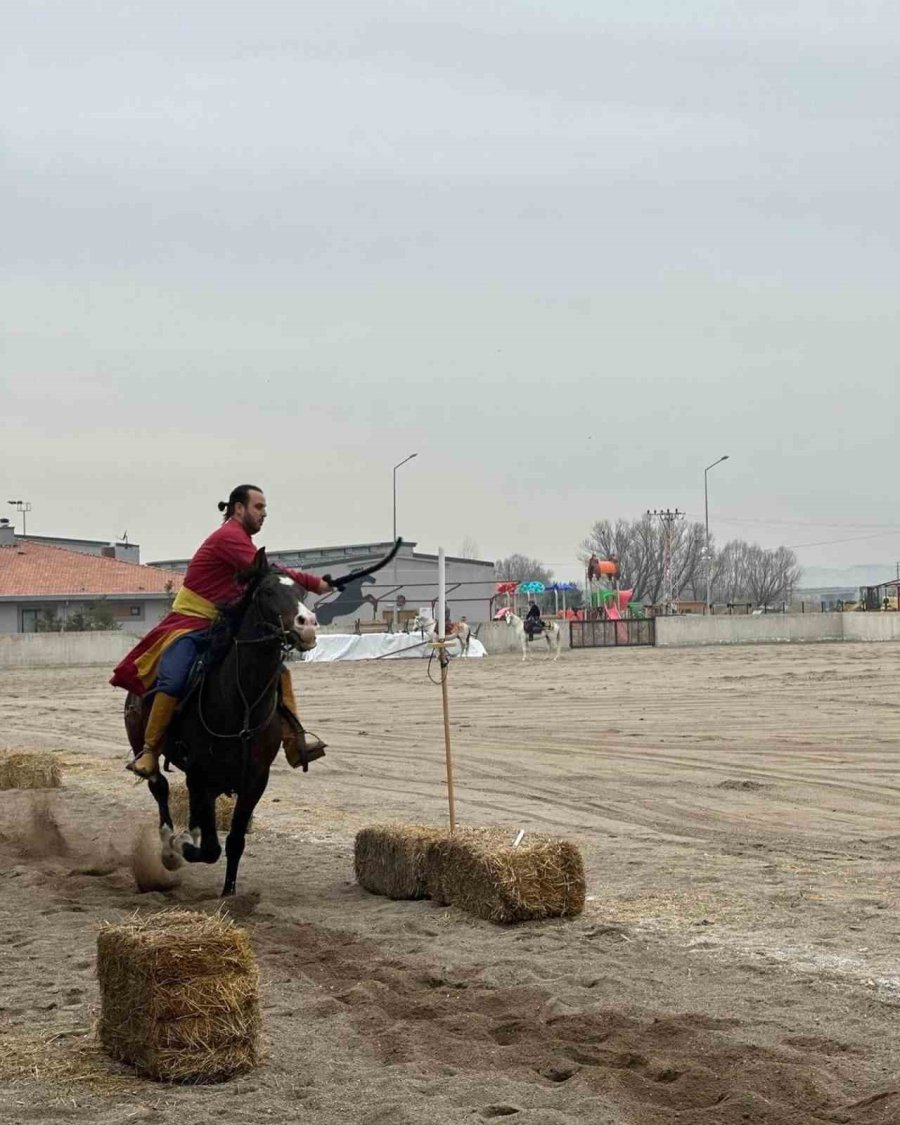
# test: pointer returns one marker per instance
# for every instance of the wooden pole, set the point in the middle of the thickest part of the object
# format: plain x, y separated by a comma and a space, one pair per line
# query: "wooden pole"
444, 660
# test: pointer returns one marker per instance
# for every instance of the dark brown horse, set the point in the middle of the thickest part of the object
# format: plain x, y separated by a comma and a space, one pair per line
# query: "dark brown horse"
228, 730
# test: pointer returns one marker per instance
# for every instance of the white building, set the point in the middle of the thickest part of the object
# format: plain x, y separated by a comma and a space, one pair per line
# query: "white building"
406, 585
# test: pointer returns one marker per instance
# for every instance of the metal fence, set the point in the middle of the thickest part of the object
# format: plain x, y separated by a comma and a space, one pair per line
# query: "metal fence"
612, 634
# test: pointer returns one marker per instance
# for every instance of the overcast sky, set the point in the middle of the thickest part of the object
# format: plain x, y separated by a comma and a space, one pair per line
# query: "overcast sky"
568, 252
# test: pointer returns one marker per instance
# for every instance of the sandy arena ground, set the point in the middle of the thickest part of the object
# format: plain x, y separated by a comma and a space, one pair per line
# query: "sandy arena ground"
737, 960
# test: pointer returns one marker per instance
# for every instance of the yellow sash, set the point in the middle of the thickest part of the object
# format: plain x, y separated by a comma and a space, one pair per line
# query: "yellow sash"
192, 605
187, 603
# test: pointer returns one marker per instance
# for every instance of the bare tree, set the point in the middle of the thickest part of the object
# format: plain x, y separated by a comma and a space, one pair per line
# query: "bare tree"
468, 549
638, 547
739, 572
520, 568
771, 575
728, 577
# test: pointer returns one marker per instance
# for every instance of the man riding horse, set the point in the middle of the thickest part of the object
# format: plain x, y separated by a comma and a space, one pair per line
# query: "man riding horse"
533, 623
164, 658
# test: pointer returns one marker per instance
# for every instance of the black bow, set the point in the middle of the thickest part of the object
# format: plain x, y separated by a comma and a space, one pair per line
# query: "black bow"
344, 581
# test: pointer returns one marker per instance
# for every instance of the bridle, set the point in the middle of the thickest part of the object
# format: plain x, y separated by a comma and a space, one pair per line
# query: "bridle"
270, 633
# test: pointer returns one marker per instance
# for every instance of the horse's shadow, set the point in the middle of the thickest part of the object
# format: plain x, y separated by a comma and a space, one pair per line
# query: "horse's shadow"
347, 603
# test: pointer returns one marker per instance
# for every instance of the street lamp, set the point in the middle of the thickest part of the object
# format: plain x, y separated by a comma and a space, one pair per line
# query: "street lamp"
706, 510
396, 467
24, 507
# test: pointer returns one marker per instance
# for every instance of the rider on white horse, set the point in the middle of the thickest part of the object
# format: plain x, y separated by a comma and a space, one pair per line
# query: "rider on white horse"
533, 623
549, 631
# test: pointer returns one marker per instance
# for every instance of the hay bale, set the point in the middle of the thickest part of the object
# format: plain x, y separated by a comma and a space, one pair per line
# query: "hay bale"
29, 769
179, 995
179, 807
390, 859
482, 872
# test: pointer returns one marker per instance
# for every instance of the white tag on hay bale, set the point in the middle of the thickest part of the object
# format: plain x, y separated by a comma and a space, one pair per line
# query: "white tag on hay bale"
179, 995
482, 872
390, 859
179, 808
29, 769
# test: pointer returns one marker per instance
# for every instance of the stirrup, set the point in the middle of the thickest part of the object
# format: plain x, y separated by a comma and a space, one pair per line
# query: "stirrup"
306, 753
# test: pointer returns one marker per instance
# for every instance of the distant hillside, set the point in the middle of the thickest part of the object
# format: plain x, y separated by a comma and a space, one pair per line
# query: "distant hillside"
866, 574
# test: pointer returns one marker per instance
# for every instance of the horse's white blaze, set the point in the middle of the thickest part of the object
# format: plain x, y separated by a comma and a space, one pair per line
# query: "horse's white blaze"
285, 581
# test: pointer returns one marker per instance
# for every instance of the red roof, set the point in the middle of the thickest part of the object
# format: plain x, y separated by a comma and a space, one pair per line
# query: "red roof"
32, 569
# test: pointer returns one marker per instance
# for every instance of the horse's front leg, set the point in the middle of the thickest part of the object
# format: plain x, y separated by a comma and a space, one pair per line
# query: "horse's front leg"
237, 833
159, 787
202, 826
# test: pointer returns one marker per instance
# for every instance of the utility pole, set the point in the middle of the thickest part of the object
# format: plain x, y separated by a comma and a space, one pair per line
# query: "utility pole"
706, 515
667, 519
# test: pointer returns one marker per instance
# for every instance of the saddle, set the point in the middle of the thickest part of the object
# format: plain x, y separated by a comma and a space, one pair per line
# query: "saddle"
534, 626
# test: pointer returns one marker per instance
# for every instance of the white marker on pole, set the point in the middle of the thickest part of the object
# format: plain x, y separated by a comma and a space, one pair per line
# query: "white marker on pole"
445, 667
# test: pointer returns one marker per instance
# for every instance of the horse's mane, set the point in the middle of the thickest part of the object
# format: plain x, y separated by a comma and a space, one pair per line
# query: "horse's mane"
231, 614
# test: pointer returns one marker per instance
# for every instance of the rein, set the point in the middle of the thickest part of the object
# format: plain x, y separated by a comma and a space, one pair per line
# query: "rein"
272, 634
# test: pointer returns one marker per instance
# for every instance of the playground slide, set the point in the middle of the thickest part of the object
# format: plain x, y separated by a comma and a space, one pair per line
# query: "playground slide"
612, 612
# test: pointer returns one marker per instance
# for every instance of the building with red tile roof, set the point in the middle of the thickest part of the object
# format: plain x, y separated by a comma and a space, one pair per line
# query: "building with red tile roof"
43, 587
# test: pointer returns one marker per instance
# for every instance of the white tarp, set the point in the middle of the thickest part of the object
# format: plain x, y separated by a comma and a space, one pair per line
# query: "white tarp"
388, 646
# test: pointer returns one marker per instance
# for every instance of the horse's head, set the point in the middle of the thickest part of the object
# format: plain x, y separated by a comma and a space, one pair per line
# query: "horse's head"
273, 602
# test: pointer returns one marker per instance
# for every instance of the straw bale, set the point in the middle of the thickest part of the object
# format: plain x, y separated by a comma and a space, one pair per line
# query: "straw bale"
29, 769
390, 859
481, 872
179, 996
179, 807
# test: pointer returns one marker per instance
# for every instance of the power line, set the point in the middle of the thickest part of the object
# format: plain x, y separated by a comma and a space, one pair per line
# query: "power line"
852, 539
802, 523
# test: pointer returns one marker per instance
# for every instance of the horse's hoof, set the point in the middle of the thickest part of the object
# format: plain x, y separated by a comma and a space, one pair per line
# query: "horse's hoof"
172, 850
171, 861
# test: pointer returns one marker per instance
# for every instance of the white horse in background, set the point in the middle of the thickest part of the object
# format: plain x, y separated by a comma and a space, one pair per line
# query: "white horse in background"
550, 633
427, 626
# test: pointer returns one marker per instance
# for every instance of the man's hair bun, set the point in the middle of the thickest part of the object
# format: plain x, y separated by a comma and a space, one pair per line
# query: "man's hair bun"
239, 495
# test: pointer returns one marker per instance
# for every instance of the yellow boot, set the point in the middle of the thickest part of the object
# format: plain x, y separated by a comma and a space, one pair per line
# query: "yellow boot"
300, 748
146, 764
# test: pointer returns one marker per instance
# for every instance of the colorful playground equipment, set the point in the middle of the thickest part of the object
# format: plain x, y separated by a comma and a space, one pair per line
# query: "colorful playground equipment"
530, 589
603, 598
616, 604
